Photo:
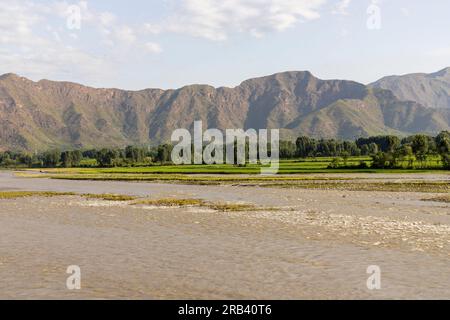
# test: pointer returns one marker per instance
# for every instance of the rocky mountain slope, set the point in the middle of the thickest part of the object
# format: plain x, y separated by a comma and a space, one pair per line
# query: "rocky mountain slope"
431, 90
46, 114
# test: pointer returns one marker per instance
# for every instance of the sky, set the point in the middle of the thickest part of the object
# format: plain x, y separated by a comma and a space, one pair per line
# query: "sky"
139, 44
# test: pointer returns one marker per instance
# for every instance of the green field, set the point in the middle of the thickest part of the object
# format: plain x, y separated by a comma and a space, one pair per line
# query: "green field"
220, 173
313, 165
304, 173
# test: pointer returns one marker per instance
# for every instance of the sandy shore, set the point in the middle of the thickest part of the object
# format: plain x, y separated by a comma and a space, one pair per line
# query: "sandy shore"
317, 244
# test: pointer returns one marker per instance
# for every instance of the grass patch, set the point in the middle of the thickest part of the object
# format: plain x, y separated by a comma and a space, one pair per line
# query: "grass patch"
25, 194
48, 194
189, 179
425, 187
110, 197
217, 206
445, 199
165, 202
169, 202
234, 207
302, 182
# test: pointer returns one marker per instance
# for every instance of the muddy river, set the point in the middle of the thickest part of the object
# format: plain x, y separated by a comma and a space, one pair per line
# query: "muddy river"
317, 244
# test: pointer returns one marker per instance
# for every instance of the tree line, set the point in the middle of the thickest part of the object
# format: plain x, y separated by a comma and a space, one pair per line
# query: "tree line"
386, 151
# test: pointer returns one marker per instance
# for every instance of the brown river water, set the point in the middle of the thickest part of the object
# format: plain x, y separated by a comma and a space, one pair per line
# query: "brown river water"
317, 245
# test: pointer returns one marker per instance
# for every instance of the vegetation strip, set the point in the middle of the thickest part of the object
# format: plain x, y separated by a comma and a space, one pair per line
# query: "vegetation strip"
110, 197
426, 187
337, 183
414, 152
25, 194
217, 206
444, 198
165, 202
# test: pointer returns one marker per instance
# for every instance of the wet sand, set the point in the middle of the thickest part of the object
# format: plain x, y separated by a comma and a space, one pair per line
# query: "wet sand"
317, 245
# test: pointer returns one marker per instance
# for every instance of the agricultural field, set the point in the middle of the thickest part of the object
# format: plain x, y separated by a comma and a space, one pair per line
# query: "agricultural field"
310, 165
302, 174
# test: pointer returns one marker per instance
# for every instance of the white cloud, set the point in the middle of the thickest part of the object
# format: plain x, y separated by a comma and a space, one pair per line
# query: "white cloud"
107, 19
149, 28
217, 19
342, 7
152, 47
35, 42
28, 50
125, 35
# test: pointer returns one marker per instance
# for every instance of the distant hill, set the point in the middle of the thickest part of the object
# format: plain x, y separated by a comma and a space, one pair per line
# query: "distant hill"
46, 114
431, 90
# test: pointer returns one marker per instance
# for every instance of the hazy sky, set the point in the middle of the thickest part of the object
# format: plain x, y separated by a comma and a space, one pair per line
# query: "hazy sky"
170, 43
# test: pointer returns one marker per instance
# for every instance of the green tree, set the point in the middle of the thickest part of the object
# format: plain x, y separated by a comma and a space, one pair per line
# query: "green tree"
384, 143
51, 158
420, 147
419, 144
164, 153
403, 153
107, 157
134, 154
351, 148
373, 148
443, 142
365, 150
382, 160
305, 146
287, 149
446, 161
71, 158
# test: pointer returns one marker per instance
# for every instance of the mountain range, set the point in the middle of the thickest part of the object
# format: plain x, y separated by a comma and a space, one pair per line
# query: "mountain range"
430, 90
47, 114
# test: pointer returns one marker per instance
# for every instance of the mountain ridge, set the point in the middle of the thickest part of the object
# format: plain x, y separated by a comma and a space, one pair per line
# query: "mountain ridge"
46, 114
432, 90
